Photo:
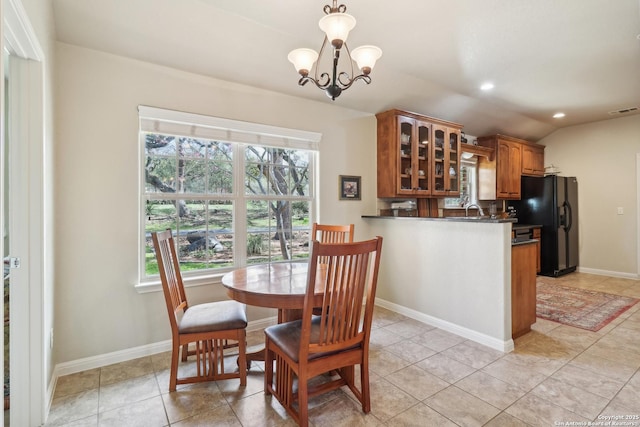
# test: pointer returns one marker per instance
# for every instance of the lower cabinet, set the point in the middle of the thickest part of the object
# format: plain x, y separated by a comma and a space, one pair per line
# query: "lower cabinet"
537, 234
523, 288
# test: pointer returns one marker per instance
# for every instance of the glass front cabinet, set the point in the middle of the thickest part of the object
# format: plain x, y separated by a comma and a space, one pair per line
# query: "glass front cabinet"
418, 156
414, 157
446, 161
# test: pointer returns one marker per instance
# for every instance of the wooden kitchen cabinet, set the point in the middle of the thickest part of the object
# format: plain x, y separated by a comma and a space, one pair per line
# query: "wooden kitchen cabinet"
537, 234
523, 288
446, 162
532, 159
416, 154
524, 232
506, 166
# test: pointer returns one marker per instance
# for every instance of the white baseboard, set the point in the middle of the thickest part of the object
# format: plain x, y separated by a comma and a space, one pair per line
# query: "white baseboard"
608, 273
496, 344
101, 360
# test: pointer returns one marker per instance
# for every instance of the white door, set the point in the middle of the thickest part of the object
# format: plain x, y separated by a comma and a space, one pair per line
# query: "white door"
4, 247
22, 211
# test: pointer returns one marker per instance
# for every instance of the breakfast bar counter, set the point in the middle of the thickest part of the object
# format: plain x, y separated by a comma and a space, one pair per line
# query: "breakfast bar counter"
452, 273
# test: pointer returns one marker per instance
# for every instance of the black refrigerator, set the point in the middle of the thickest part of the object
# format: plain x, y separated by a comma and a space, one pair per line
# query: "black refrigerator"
552, 201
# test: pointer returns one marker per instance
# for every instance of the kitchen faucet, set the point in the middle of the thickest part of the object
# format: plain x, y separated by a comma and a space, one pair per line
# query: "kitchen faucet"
473, 205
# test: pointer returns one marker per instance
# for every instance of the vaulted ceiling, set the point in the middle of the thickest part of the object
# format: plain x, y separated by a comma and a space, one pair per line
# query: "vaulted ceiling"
580, 57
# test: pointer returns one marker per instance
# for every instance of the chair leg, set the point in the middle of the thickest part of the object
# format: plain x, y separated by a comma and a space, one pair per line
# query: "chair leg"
268, 368
173, 376
303, 400
185, 352
242, 356
364, 386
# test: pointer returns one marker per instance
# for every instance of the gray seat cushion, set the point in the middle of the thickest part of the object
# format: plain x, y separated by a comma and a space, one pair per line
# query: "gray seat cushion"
213, 316
287, 337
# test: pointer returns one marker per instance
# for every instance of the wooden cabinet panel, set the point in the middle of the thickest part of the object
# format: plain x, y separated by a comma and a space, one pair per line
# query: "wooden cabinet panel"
512, 189
418, 156
446, 162
532, 159
507, 165
523, 288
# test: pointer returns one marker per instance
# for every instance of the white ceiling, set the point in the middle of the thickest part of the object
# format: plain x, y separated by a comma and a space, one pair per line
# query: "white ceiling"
581, 57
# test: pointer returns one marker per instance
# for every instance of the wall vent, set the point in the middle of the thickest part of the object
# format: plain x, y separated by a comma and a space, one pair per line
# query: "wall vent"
623, 111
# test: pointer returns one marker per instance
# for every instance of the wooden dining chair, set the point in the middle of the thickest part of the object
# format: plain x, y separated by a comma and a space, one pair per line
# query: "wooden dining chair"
208, 326
309, 347
329, 233
325, 233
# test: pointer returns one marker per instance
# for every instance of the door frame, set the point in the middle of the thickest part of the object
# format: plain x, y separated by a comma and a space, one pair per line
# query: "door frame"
26, 214
638, 215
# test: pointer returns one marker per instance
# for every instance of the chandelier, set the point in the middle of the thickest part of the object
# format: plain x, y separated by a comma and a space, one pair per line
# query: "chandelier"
336, 24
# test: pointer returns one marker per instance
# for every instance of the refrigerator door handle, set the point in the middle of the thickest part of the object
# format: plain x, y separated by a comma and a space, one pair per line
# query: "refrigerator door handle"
568, 215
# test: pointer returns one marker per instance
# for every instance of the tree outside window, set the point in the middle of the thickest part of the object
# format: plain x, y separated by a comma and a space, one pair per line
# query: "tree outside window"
191, 186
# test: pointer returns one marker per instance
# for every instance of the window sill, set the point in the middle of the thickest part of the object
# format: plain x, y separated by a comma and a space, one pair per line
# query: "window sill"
156, 285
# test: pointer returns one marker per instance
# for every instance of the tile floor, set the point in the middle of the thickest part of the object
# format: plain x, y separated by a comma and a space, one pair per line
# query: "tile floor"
420, 376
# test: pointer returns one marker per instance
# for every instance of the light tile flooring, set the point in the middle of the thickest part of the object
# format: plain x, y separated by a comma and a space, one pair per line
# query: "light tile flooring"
420, 376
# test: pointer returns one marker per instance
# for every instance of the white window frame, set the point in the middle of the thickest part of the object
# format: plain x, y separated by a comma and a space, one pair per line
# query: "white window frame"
473, 182
239, 133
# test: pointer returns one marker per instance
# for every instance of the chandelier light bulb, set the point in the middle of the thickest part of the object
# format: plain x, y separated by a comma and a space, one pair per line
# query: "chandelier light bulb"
366, 57
303, 60
337, 26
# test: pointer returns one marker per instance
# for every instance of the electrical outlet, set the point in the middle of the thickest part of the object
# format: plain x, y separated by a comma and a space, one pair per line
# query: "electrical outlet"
620, 211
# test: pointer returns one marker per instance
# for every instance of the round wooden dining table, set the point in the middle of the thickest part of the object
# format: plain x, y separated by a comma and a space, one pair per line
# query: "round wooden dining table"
277, 285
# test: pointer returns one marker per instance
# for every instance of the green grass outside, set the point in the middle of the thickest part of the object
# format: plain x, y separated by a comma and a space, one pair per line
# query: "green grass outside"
256, 219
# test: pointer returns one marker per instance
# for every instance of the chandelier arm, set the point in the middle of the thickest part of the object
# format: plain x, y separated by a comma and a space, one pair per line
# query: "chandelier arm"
318, 77
350, 62
364, 77
320, 84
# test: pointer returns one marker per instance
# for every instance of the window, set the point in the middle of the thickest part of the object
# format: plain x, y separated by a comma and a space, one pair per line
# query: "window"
234, 193
468, 185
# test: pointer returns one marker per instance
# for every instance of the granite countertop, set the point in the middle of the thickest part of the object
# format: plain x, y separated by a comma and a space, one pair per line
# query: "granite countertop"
484, 219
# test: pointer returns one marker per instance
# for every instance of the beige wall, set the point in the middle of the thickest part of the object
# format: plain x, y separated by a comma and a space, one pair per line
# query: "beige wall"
97, 309
602, 155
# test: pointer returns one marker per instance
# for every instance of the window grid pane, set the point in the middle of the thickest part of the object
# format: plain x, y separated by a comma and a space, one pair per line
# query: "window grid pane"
277, 230
189, 188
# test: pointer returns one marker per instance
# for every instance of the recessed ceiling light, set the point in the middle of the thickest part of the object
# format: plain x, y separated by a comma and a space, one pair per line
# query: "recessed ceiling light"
558, 115
486, 86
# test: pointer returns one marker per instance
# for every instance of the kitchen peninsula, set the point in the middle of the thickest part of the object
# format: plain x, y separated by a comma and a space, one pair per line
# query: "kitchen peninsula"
453, 273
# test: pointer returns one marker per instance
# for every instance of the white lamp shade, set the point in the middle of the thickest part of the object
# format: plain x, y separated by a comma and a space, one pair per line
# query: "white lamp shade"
303, 59
337, 26
366, 56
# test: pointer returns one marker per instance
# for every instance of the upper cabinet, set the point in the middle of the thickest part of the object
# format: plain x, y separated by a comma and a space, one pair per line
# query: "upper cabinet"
418, 156
499, 176
446, 161
509, 160
532, 159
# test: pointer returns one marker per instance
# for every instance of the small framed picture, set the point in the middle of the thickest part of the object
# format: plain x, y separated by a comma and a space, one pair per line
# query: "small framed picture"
349, 187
